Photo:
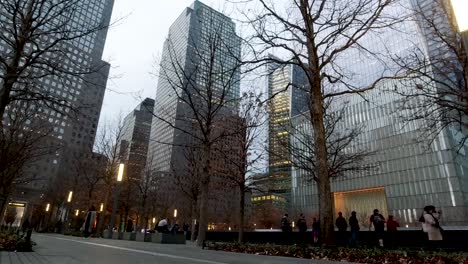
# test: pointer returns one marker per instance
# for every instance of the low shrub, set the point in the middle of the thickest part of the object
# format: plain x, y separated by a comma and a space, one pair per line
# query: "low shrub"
356, 255
14, 242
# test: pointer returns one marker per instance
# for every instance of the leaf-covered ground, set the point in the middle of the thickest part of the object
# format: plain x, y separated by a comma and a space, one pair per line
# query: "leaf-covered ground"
356, 255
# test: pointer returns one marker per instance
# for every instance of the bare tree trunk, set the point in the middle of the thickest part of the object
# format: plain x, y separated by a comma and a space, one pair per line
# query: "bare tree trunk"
3, 202
100, 225
194, 216
204, 199
203, 221
241, 213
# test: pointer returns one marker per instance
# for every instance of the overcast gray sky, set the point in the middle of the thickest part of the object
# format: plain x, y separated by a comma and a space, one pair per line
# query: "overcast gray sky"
133, 45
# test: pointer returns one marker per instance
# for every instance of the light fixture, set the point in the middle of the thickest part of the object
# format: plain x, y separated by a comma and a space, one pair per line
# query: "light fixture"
120, 174
154, 220
459, 9
77, 212
102, 207
47, 207
229, 228
70, 195
175, 213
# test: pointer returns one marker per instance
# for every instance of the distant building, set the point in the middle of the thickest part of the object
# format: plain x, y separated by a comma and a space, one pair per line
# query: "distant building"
136, 129
287, 88
173, 144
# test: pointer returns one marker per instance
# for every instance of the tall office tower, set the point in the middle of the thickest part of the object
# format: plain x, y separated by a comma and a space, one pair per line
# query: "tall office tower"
201, 50
80, 85
287, 88
188, 38
201, 38
410, 173
136, 129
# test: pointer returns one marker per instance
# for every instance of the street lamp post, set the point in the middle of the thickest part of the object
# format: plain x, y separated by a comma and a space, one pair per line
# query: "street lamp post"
116, 199
67, 208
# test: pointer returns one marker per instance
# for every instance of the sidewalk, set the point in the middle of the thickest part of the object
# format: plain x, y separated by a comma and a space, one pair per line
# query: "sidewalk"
57, 249
22, 258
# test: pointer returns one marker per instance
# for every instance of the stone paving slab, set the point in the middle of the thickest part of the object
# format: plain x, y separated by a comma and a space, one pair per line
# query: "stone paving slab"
22, 258
57, 249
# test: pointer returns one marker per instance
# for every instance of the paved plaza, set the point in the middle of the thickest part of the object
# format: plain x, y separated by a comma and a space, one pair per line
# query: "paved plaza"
57, 249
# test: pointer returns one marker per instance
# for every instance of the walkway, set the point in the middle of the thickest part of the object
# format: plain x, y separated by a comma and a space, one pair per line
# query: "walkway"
56, 249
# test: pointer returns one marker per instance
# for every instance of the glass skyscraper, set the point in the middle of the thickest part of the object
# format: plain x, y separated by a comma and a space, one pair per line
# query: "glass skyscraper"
190, 44
198, 73
410, 172
73, 132
287, 88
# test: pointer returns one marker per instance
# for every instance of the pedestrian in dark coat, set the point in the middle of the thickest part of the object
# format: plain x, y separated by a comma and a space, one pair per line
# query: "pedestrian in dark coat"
315, 230
342, 226
354, 225
378, 221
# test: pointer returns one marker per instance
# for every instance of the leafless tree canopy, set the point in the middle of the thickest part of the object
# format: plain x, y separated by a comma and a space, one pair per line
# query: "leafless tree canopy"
439, 73
203, 80
39, 37
320, 37
19, 136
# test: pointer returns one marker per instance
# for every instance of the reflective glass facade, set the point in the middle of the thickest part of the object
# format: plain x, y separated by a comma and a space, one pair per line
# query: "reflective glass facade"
286, 88
83, 92
411, 172
190, 36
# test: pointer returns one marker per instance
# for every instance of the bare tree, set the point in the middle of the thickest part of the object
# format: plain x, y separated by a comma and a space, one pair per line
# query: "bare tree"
187, 181
89, 170
108, 145
148, 193
20, 134
244, 151
317, 36
437, 73
204, 85
38, 38
345, 153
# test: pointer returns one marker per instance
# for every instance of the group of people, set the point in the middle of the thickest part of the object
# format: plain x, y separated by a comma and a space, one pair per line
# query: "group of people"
377, 220
301, 226
429, 219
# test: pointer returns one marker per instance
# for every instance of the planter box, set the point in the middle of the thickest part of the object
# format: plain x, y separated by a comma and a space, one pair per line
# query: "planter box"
168, 238
140, 237
105, 234
129, 236
117, 235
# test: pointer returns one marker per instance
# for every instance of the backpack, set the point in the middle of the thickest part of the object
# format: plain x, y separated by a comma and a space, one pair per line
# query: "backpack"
377, 219
421, 219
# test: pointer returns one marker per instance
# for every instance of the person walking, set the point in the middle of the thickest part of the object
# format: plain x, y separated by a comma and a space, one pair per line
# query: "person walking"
302, 223
354, 225
315, 230
302, 227
432, 226
378, 221
342, 226
392, 230
129, 227
90, 222
285, 224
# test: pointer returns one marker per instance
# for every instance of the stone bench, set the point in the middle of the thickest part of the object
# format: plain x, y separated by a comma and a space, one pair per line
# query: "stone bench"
163, 238
160, 238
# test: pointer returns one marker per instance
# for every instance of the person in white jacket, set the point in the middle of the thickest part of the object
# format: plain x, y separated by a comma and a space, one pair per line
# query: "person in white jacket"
431, 225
